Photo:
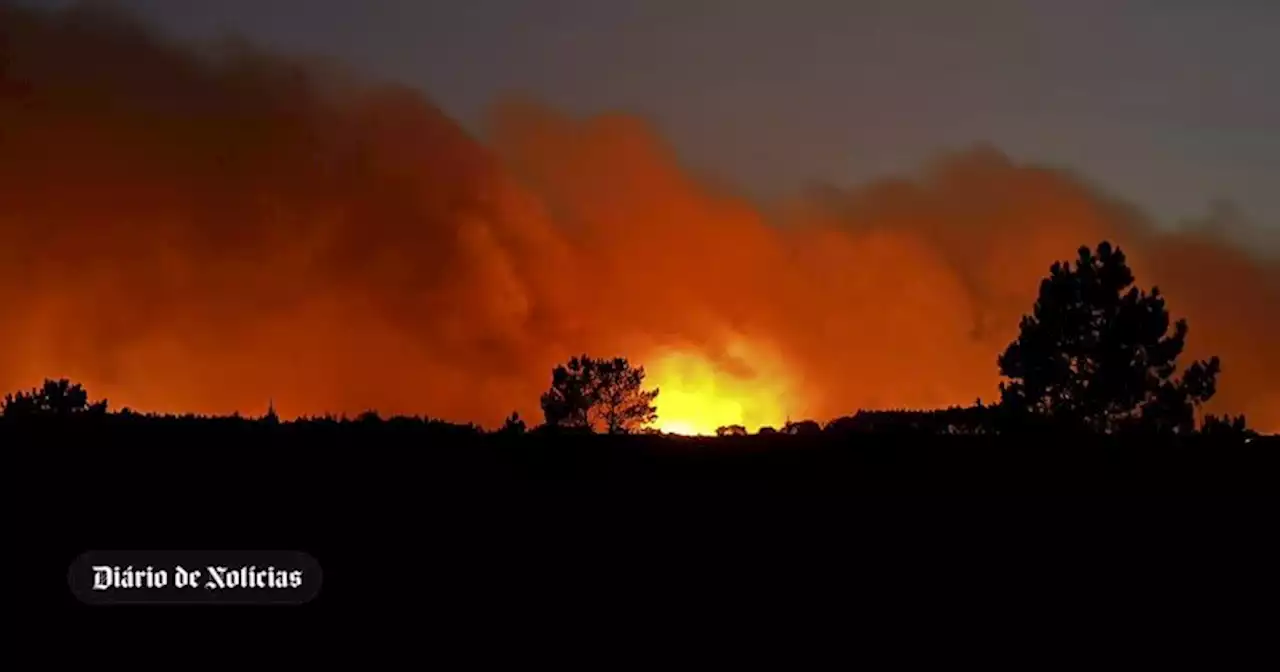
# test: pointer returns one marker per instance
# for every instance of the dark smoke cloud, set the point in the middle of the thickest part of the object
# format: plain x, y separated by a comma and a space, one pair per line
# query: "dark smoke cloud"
196, 230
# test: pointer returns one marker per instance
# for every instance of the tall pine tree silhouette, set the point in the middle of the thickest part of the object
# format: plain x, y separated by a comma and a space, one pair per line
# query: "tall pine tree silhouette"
1097, 354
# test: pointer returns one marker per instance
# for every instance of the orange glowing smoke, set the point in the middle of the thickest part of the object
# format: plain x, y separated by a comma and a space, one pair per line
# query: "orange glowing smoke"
202, 232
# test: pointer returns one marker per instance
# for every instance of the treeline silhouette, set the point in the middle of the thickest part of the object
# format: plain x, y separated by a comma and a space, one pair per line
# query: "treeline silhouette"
1092, 398
1095, 357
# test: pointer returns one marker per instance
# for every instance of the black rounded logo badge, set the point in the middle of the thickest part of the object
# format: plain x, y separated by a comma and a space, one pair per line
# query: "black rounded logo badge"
195, 577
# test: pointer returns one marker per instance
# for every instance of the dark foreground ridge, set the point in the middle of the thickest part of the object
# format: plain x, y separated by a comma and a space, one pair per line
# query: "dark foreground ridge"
306, 457
480, 533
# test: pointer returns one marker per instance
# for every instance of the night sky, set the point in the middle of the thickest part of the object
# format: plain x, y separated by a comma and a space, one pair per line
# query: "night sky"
1171, 104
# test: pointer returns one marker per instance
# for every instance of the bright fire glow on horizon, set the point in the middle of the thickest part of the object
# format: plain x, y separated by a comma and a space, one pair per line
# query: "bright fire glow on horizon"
696, 396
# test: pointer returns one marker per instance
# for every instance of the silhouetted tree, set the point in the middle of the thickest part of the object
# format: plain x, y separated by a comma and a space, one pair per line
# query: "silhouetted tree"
56, 398
1096, 354
802, 428
271, 418
568, 401
731, 430
513, 424
843, 425
767, 430
592, 394
1227, 426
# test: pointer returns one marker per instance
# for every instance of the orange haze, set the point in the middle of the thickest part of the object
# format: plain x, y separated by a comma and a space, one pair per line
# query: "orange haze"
204, 230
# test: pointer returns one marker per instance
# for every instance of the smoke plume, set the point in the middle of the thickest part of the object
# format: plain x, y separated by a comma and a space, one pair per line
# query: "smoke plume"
205, 230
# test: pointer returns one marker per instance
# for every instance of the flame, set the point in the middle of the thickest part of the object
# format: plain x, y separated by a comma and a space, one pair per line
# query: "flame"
697, 395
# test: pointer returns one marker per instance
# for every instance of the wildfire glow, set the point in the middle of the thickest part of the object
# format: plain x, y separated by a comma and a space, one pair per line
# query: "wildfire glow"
333, 245
697, 396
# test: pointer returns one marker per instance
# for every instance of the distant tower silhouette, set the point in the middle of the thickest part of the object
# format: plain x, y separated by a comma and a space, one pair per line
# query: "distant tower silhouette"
271, 418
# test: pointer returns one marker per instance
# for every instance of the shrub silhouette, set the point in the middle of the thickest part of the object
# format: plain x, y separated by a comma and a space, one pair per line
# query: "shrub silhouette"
513, 424
802, 428
1096, 354
590, 394
55, 398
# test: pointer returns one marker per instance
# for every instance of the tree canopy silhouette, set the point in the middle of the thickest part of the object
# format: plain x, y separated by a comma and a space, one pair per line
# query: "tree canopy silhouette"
55, 398
1097, 354
513, 424
802, 428
731, 430
593, 394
